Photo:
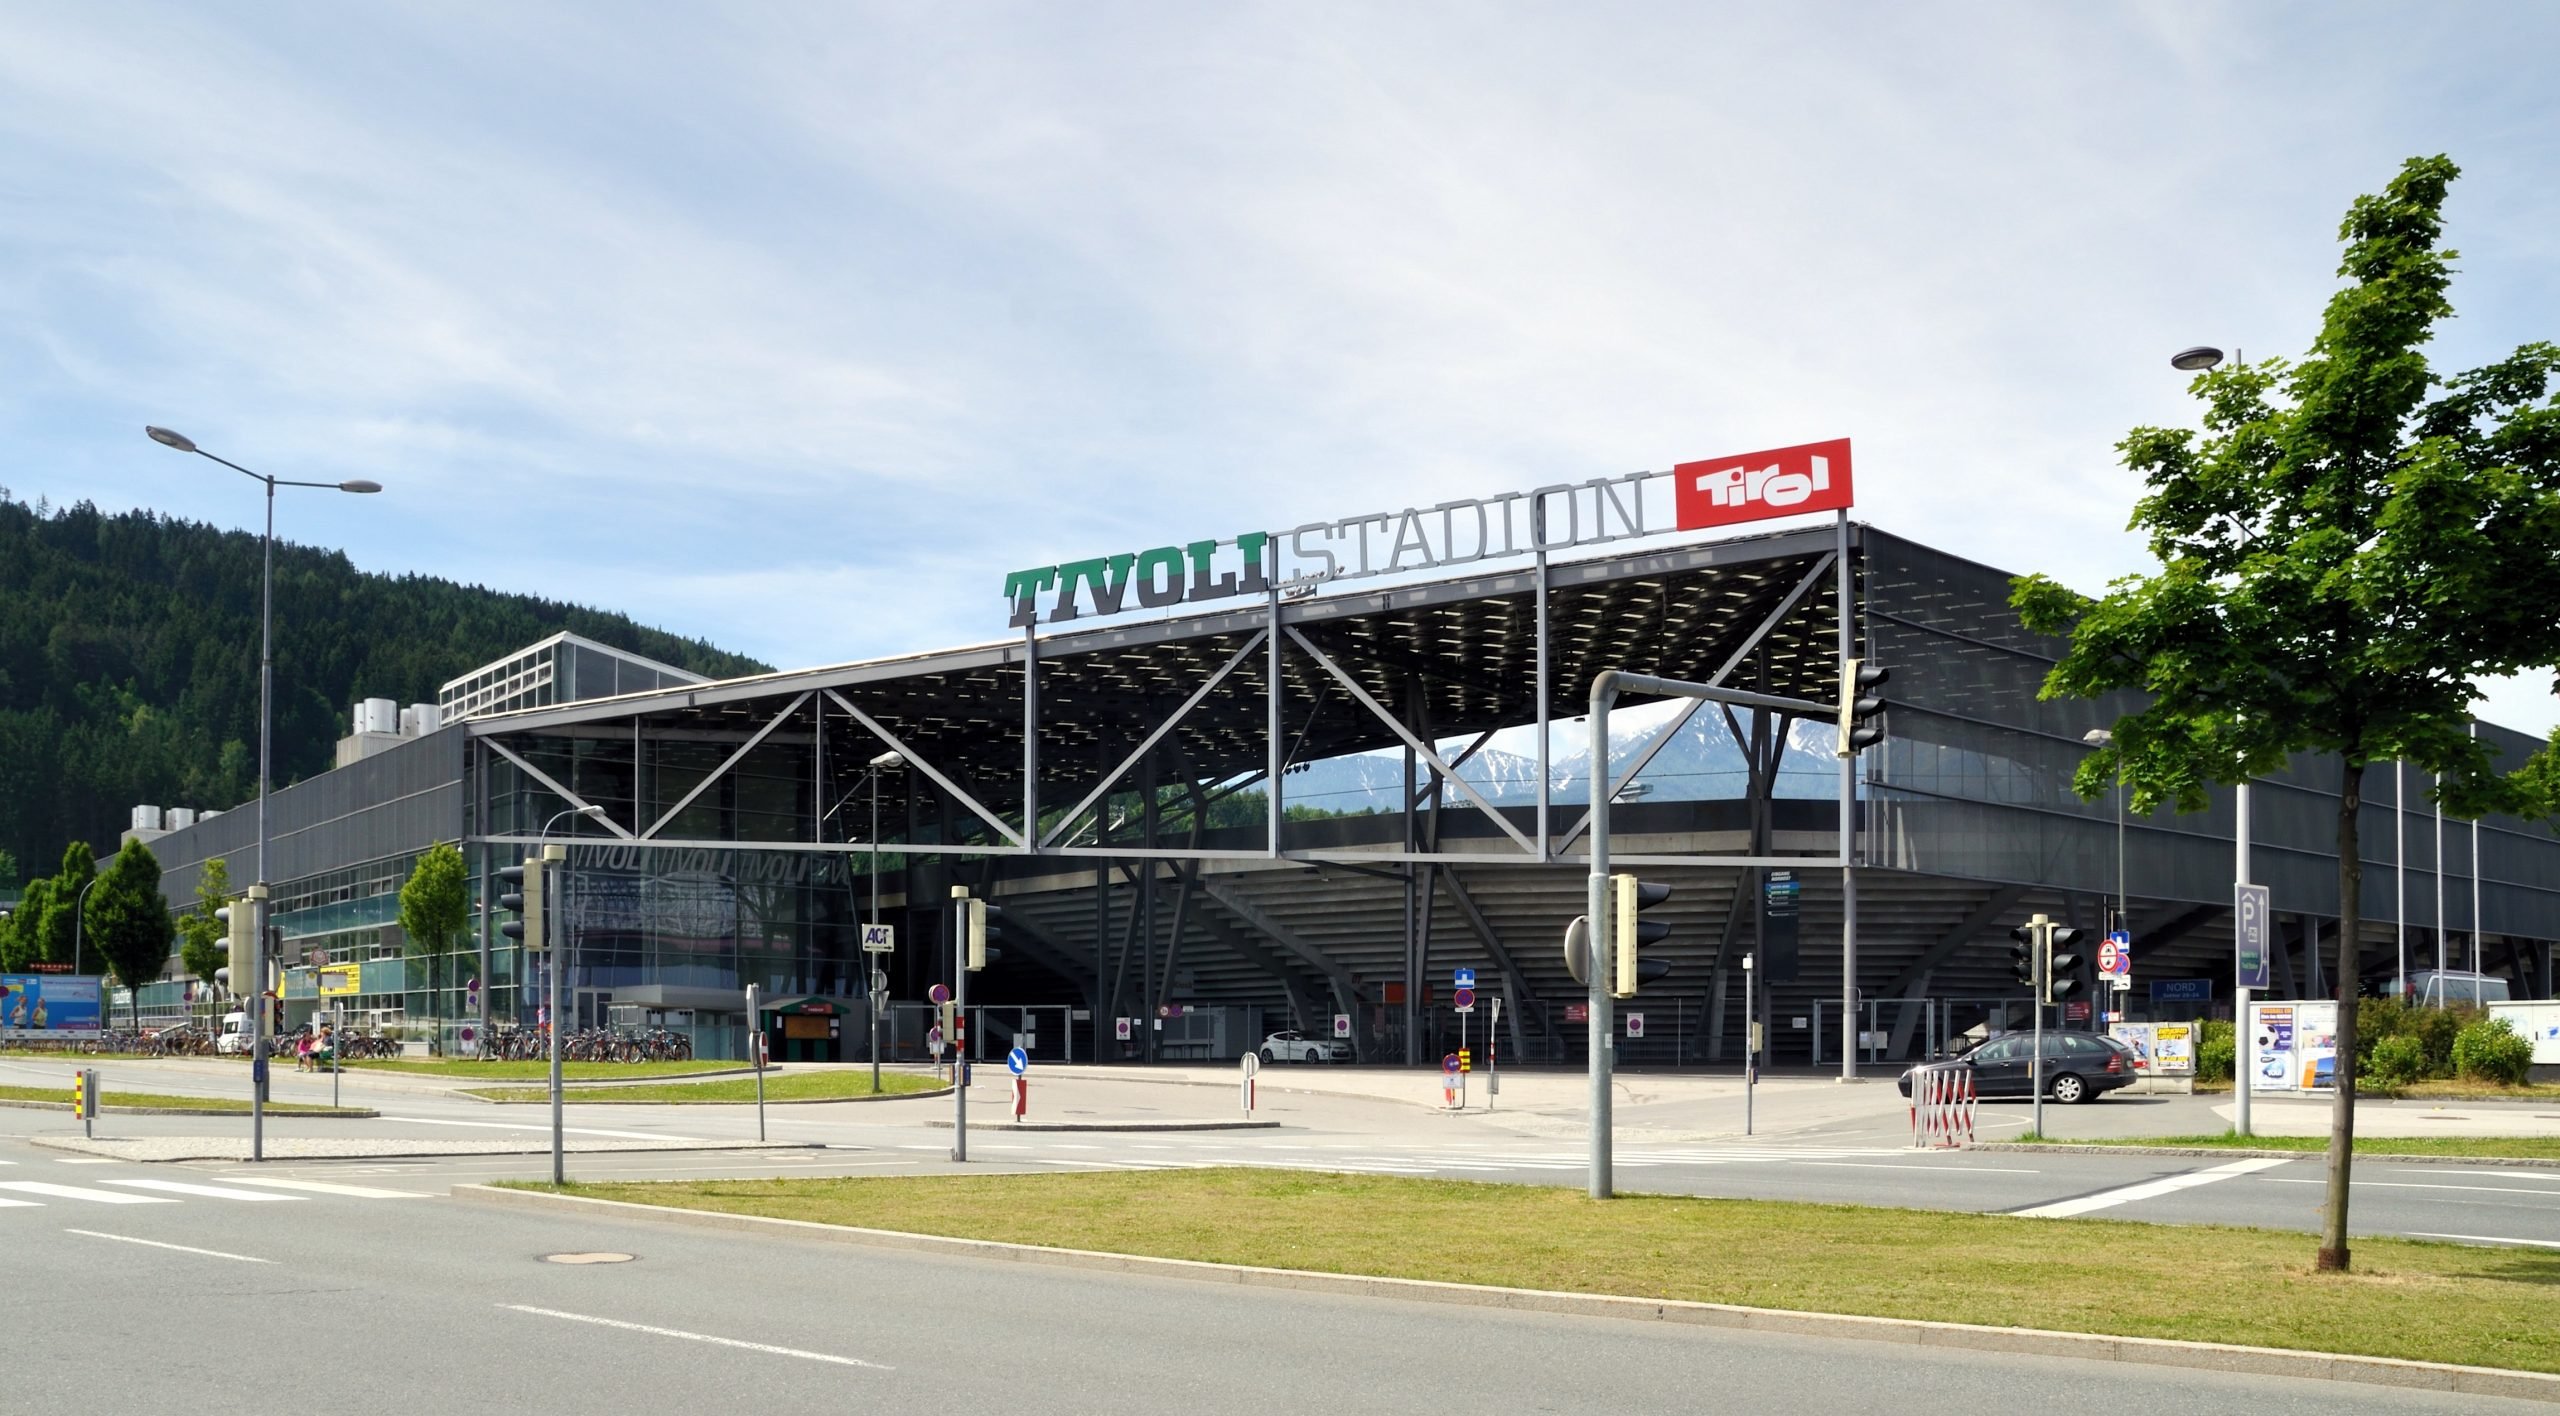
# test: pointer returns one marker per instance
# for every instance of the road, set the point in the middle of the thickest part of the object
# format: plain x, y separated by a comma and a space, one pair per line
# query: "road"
429, 1306
1821, 1142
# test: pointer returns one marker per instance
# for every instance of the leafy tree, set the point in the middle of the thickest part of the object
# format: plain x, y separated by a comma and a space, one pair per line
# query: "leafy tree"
129, 661
202, 939
8, 866
58, 938
2349, 548
128, 921
19, 932
433, 905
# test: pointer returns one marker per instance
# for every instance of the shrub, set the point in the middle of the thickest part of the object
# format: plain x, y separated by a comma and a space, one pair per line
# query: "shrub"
2216, 1050
2395, 1061
2489, 1051
2437, 1028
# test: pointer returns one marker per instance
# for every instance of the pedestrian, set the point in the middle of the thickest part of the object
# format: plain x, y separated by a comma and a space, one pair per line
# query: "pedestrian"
324, 1051
302, 1053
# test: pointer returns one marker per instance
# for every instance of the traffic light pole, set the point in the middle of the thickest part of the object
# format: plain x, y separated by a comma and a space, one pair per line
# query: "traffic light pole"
553, 956
2044, 985
1600, 932
959, 1023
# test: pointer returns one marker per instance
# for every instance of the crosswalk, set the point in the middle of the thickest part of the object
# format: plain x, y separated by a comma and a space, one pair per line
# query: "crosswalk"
153, 1190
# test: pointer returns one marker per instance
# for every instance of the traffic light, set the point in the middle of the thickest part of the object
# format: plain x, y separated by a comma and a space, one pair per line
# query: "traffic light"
1629, 896
239, 946
2062, 969
522, 894
2022, 955
1861, 708
973, 928
1577, 949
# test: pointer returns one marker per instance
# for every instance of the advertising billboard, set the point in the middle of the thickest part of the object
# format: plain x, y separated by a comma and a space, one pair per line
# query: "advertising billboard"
48, 1003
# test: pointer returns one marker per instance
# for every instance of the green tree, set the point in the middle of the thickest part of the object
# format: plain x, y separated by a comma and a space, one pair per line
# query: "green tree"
58, 938
433, 905
8, 866
128, 921
203, 940
20, 931
2352, 544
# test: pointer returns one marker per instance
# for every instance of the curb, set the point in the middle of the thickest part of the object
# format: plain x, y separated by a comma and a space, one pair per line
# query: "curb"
568, 1095
74, 1144
343, 1113
2144, 1351
1009, 1126
2236, 1153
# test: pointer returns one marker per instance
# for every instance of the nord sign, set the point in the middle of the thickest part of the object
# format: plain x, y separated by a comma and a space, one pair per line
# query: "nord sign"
1722, 491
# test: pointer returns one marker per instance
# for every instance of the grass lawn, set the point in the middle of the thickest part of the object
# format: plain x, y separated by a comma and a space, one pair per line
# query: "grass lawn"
154, 1099
2431, 1091
2517, 1147
539, 1070
2430, 1302
778, 1086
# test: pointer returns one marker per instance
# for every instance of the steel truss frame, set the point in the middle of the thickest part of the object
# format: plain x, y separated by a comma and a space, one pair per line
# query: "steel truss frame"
1080, 832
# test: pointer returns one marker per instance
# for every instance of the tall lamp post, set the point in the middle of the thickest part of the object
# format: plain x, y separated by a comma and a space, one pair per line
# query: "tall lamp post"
2196, 361
2102, 737
266, 716
884, 762
556, 930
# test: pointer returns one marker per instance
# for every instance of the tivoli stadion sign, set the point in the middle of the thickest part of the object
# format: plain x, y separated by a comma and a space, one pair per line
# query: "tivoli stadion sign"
1718, 491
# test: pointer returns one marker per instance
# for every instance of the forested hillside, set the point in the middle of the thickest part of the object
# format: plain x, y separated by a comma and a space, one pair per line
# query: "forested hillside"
129, 662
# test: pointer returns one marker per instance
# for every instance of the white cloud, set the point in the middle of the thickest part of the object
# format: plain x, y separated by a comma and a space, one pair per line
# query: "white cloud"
852, 310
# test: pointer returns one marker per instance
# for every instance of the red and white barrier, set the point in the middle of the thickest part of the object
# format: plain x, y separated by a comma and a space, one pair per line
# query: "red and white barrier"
1942, 1106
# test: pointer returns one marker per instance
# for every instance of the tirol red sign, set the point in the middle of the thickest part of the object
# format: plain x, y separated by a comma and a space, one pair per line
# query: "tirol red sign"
1754, 486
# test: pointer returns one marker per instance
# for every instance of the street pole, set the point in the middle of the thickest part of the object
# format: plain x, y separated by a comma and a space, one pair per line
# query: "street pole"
755, 1049
870, 965
2243, 1063
1596, 930
1844, 593
556, 959
1750, 1035
2043, 971
959, 1038
258, 890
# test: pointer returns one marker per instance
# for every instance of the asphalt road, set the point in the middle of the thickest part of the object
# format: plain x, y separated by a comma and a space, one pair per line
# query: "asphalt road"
1827, 1146
425, 1305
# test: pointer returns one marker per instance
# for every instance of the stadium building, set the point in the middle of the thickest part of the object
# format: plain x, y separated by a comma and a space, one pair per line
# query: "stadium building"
1220, 788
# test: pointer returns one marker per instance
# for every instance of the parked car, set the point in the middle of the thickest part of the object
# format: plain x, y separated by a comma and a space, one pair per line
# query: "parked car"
2078, 1066
1298, 1047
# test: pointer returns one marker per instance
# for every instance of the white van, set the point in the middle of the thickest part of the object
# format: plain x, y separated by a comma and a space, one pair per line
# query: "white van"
234, 1040
2438, 988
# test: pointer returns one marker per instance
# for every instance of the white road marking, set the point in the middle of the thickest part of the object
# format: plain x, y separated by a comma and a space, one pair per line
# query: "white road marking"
1886, 1165
215, 1192
6, 1203
764, 1347
2148, 1190
74, 1192
2423, 1185
181, 1248
360, 1192
86, 1160
2490, 1239
528, 1126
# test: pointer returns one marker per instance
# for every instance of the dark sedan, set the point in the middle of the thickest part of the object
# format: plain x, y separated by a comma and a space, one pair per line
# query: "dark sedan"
2078, 1066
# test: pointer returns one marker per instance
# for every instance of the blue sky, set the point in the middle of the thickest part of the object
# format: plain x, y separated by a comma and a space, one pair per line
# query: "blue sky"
796, 327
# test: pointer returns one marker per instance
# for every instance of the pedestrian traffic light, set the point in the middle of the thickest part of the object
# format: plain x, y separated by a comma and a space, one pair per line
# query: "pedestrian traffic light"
239, 944
522, 894
1861, 707
1629, 897
2022, 955
973, 926
2062, 966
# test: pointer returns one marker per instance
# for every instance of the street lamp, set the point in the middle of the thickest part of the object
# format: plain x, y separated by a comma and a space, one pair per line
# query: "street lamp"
266, 715
2102, 737
884, 762
2196, 361
556, 945
79, 917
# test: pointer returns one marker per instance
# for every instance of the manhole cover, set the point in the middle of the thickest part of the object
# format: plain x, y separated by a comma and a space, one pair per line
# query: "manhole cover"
586, 1258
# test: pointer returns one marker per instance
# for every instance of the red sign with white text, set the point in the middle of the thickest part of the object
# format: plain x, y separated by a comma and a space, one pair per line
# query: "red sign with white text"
1755, 486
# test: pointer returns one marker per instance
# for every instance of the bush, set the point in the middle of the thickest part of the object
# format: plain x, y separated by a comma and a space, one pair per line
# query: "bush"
2216, 1051
2489, 1051
2437, 1028
2395, 1061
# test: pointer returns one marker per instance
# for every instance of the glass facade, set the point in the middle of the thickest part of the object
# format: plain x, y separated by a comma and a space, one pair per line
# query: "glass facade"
561, 669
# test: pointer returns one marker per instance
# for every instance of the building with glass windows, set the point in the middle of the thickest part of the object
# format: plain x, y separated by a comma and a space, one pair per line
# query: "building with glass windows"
1219, 819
